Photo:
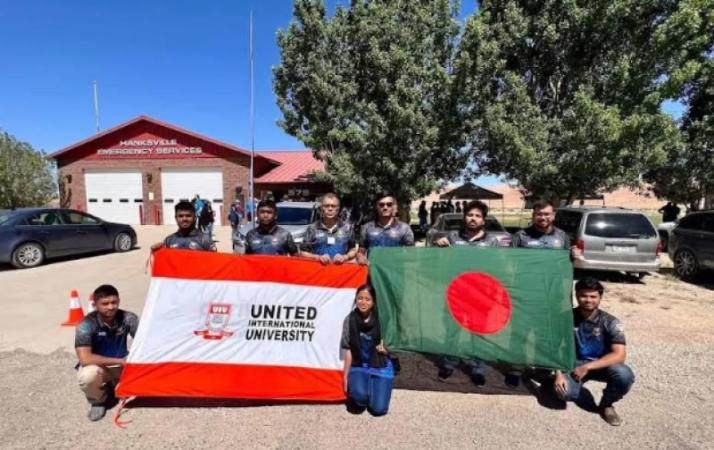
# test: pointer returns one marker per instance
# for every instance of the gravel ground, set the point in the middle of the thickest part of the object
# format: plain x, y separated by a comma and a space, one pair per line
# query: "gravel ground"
669, 326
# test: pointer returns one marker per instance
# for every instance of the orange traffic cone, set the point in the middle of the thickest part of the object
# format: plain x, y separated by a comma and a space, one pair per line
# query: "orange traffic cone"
90, 304
76, 314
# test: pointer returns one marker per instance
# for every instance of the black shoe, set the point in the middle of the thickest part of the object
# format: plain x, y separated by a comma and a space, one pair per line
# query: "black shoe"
610, 416
478, 379
512, 380
96, 412
444, 373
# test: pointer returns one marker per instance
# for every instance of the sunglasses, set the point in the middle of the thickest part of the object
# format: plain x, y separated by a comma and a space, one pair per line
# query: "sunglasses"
385, 205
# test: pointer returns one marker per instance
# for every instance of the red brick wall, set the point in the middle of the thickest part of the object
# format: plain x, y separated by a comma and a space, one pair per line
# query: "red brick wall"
73, 194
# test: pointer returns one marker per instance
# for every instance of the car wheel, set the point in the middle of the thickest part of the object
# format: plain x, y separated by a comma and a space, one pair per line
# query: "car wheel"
27, 255
123, 242
685, 264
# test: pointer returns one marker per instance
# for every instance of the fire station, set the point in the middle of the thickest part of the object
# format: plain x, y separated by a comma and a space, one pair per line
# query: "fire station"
137, 171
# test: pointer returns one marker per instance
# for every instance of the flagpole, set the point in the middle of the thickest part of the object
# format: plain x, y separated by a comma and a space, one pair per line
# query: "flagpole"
96, 105
252, 127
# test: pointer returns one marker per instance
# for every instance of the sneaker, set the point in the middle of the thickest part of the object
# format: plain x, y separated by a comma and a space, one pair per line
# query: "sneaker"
96, 412
478, 379
512, 380
610, 416
444, 373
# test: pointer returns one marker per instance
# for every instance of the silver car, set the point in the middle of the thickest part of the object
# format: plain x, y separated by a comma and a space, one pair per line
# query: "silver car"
612, 239
455, 221
293, 216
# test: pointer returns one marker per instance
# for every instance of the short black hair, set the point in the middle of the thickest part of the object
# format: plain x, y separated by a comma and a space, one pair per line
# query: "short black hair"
184, 205
589, 284
381, 195
476, 204
267, 203
540, 204
105, 290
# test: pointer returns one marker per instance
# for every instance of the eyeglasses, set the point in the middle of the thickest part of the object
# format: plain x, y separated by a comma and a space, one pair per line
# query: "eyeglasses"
385, 204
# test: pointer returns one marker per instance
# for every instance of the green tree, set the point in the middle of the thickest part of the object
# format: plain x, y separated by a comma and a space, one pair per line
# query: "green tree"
564, 96
688, 35
25, 175
371, 91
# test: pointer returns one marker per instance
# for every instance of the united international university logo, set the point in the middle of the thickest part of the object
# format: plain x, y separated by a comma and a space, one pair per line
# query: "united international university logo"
217, 319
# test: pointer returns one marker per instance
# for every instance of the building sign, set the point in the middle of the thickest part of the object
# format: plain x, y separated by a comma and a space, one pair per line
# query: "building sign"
149, 148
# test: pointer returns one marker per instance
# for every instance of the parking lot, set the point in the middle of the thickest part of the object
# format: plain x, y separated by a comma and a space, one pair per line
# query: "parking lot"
669, 326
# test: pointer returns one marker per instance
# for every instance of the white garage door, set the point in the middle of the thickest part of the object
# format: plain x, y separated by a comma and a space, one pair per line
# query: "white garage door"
185, 184
114, 196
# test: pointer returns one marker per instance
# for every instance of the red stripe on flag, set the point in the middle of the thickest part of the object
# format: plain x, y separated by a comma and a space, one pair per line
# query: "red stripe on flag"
230, 381
197, 265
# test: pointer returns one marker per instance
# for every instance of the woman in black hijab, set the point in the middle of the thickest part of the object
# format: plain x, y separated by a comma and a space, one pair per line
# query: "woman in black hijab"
369, 373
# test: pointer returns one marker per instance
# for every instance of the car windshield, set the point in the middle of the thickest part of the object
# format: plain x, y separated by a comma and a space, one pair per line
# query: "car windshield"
5, 215
288, 215
619, 226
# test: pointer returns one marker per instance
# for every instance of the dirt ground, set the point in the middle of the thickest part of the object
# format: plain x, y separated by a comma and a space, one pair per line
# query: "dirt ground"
669, 326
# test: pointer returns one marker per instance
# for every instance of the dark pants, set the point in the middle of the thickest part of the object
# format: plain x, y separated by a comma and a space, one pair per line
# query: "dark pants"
369, 391
618, 378
474, 366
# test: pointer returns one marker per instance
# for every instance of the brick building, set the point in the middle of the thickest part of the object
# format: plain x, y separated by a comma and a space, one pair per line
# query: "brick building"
137, 171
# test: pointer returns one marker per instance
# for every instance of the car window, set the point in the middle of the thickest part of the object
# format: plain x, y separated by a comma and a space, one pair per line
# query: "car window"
44, 218
6, 215
452, 224
619, 226
294, 216
77, 218
693, 222
568, 221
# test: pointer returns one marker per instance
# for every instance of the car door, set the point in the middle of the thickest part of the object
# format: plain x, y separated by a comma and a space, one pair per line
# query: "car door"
47, 228
88, 232
706, 243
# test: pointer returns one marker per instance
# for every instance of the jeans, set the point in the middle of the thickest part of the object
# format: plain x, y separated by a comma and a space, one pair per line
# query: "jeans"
475, 366
370, 391
619, 379
208, 230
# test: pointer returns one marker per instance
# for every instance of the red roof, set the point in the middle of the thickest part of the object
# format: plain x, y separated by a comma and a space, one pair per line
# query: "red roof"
295, 166
166, 125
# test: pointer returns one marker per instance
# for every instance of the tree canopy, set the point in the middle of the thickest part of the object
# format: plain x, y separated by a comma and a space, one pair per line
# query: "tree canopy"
370, 90
26, 177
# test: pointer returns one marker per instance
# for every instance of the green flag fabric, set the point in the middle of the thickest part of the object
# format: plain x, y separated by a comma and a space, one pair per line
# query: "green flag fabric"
501, 305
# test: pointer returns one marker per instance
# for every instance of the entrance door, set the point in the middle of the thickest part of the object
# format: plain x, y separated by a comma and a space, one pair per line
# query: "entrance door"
114, 196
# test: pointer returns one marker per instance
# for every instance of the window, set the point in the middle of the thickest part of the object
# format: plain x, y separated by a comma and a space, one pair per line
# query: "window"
92, 200
619, 226
708, 223
452, 224
123, 200
568, 221
294, 216
77, 218
44, 218
691, 222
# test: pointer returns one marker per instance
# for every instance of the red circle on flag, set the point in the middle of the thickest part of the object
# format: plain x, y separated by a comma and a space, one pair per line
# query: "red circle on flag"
479, 302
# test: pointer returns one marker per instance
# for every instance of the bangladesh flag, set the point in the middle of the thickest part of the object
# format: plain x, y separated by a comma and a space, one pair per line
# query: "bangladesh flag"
500, 305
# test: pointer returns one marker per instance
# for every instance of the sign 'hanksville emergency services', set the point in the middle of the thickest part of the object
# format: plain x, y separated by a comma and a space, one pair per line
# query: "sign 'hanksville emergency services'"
221, 325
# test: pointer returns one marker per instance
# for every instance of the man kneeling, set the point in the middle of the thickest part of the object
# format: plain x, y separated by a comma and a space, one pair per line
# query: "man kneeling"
101, 346
600, 348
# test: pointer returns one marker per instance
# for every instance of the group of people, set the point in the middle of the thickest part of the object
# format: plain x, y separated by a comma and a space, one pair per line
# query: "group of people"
368, 369
205, 216
427, 218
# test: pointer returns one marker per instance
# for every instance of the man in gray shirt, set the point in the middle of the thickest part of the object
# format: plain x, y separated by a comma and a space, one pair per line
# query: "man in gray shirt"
188, 236
386, 231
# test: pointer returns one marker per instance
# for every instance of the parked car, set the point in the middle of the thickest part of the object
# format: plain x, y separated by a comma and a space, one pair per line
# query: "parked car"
612, 239
293, 216
665, 230
691, 244
30, 236
455, 221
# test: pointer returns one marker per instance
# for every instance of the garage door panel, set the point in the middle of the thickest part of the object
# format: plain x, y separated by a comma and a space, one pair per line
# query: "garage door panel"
114, 196
185, 184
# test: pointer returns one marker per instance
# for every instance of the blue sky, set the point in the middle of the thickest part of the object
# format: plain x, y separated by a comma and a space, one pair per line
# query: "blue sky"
181, 61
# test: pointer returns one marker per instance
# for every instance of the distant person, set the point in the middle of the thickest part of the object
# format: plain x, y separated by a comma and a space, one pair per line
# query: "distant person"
600, 350
198, 204
268, 238
101, 345
449, 206
368, 372
670, 212
206, 219
458, 207
433, 212
386, 231
329, 240
235, 216
187, 236
423, 215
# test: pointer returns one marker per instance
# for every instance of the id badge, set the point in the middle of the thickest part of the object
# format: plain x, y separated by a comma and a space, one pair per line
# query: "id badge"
330, 240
